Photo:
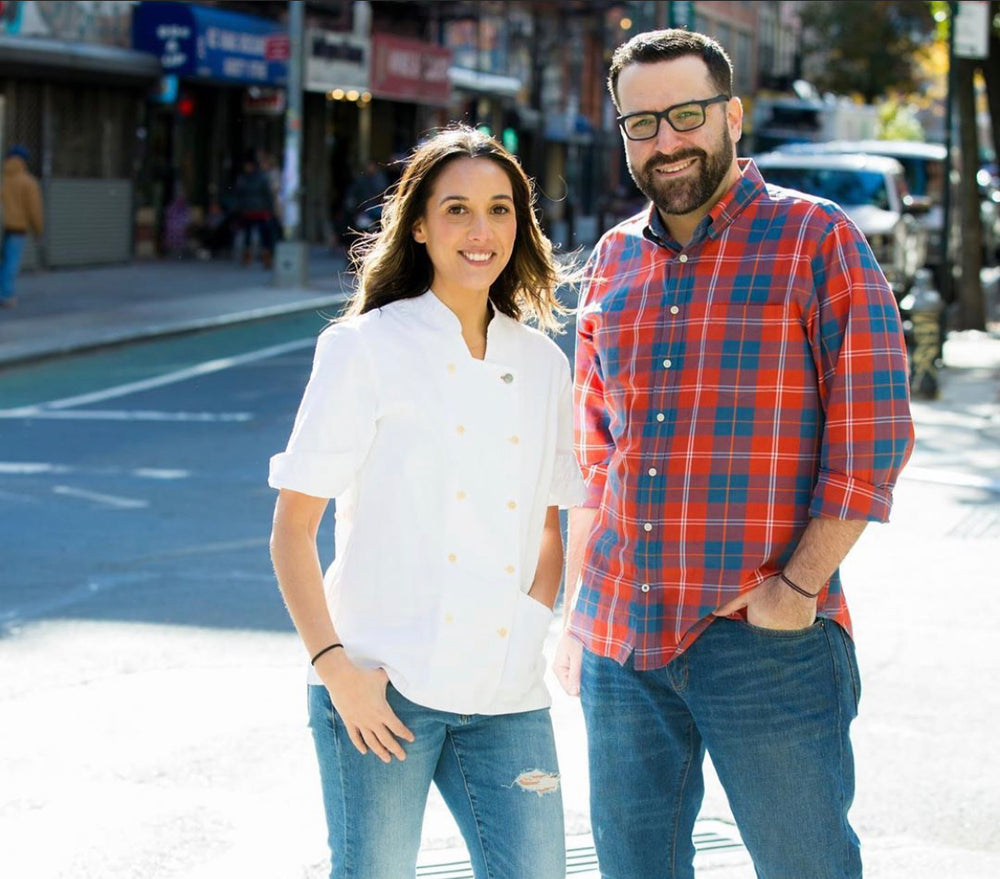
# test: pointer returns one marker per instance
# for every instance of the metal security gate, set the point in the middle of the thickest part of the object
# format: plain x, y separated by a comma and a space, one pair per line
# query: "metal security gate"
88, 222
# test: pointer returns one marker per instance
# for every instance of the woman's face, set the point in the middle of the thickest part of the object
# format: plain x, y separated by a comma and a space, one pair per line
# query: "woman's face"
468, 226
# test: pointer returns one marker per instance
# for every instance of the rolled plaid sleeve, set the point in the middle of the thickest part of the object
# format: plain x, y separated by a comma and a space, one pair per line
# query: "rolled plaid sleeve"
594, 443
858, 345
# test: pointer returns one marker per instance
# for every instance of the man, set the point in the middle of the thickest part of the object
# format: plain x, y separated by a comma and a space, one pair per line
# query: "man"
742, 412
22, 212
255, 207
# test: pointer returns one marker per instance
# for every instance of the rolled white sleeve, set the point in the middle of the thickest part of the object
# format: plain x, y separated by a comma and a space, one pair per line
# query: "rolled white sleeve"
335, 424
567, 489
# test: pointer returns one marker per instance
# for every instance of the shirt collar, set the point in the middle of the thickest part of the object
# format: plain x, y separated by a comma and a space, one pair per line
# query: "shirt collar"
742, 193
500, 334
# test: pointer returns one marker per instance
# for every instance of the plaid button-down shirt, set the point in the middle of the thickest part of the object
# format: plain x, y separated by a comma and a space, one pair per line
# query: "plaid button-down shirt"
727, 392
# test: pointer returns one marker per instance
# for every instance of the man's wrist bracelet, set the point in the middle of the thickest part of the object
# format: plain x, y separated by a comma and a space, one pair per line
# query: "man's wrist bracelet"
796, 588
325, 650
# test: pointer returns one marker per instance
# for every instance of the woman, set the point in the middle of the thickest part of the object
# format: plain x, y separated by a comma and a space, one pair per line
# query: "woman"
442, 425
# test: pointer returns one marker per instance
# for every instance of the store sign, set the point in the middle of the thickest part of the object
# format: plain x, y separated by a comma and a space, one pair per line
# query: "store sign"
209, 43
335, 60
264, 102
972, 29
410, 70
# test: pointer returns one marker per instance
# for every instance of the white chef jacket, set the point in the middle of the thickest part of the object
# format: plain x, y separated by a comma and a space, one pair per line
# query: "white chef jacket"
443, 467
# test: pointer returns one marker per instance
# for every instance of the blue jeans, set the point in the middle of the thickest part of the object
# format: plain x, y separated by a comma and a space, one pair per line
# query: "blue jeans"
498, 775
773, 709
11, 252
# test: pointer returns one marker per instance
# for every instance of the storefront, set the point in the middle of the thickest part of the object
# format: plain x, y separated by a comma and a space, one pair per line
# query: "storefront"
412, 91
337, 110
53, 92
222, 98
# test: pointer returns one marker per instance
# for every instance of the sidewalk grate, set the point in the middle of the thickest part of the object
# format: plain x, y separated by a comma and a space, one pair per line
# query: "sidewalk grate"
982, 523
579, 859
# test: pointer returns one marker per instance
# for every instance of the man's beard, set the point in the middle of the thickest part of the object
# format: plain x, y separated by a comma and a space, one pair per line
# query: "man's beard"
686, 194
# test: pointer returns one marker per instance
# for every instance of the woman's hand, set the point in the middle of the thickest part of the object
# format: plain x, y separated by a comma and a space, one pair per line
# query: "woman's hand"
358, 695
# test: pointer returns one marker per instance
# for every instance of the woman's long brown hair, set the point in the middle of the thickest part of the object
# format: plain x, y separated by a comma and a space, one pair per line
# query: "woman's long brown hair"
391, 265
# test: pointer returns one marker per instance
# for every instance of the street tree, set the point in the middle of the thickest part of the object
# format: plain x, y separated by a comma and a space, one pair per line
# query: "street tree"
864, 48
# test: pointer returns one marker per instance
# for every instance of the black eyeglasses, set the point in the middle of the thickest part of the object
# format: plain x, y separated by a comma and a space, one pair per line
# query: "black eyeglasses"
681, 117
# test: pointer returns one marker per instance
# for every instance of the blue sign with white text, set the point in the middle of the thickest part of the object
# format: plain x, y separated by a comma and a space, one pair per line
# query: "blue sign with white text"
209, 43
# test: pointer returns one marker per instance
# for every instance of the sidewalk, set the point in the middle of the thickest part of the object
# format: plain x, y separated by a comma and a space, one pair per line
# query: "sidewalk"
68, 310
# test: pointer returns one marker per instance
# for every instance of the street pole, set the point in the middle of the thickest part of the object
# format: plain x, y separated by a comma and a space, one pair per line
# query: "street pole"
945, 281
290, 254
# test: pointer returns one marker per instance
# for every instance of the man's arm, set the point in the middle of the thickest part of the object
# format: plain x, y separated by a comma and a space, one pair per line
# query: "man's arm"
569, 651
774, 604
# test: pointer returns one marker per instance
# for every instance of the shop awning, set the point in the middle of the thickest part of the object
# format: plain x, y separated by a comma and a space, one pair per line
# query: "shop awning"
210, 43
31, 57
482, 83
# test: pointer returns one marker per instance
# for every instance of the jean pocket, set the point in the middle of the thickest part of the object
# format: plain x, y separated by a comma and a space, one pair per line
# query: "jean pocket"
782, 634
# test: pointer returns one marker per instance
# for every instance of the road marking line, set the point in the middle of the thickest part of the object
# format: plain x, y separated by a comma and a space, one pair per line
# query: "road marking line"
206, 368
30, 468
111, 500
39, 468
125, 415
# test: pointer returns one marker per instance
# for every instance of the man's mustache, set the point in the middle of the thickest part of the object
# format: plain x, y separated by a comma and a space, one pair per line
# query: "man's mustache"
659, 159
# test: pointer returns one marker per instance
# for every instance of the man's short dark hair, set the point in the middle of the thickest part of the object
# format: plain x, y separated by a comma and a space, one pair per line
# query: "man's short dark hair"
666, 45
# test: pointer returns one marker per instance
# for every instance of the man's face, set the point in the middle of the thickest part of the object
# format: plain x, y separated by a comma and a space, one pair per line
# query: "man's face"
679, 171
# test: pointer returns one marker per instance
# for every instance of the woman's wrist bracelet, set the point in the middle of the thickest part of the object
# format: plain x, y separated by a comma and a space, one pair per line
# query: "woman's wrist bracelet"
796, 588
325, 650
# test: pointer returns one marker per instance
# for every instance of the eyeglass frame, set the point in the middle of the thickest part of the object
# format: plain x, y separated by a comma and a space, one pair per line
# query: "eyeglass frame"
664, 115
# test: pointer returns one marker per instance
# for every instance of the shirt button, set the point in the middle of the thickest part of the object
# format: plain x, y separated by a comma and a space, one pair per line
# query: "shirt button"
514, 440
644, 587
502, 632
683, 257
460, 429
509, 569
507, 378
674, 309
451, 367
652, 471
511, 505
660, 416
460, 495
667, 363
648, 526
448, 618
452, 557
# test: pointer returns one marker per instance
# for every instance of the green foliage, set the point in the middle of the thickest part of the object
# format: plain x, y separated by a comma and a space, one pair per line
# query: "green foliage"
898, 121
866, 48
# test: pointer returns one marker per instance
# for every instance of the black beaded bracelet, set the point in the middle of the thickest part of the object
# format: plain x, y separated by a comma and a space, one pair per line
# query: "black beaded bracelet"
797, 588
325, 650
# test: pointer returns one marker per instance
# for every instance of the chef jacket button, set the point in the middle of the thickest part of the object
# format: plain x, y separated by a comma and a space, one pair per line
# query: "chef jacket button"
460, 495
460, 429
514, 440
452, 557
509, 569
511, 505
451, 367
502, 632
448, 618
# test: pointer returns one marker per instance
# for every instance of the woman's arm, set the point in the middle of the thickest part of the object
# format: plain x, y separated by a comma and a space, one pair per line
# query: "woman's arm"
548, 574
358, 694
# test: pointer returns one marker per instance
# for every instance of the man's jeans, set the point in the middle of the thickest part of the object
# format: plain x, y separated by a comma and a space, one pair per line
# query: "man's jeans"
497, 773
773, 708
11, 252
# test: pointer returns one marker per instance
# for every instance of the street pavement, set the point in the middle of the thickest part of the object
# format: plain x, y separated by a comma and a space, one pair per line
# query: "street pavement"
124, 760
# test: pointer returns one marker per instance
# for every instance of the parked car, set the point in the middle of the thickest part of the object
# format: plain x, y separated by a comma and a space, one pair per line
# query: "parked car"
872, 191
924, 164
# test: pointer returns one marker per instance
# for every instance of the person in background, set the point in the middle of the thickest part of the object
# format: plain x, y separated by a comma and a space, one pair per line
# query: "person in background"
255, 207
442, 425
742, 413
23, 212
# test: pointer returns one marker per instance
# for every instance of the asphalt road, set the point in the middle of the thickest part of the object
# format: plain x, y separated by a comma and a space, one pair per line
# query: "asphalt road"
152, 717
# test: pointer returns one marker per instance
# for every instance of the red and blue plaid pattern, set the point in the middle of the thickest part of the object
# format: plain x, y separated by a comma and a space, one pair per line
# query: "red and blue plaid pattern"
725, 393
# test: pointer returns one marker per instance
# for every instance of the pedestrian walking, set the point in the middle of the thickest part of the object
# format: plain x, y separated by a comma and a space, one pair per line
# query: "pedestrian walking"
23, 212
741, 392
255, 207
442, 425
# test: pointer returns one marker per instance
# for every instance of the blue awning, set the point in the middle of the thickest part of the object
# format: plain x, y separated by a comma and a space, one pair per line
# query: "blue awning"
208, 43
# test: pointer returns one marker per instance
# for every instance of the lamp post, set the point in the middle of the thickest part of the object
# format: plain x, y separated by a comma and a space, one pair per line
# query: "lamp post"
290, 255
